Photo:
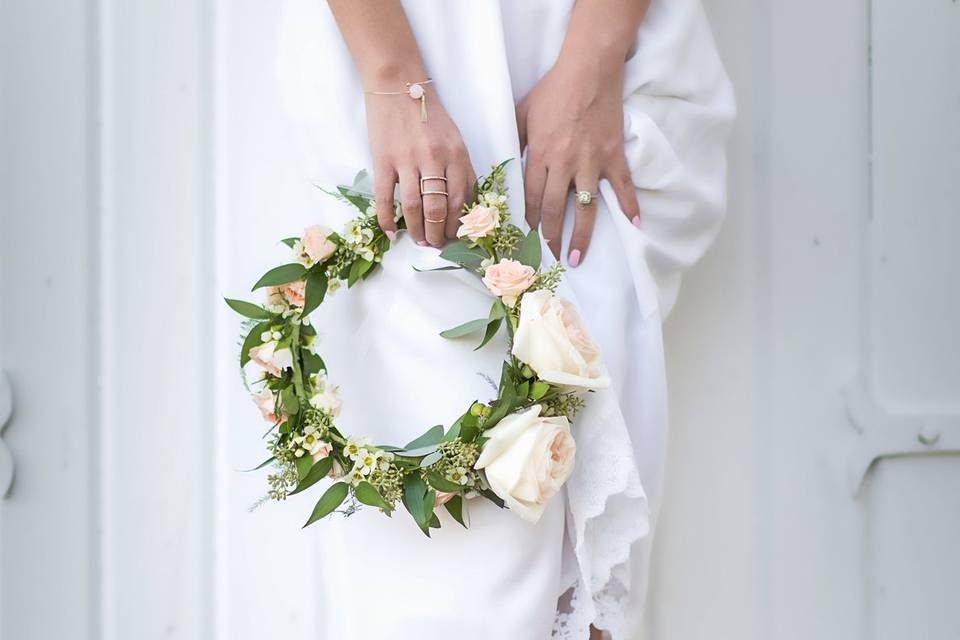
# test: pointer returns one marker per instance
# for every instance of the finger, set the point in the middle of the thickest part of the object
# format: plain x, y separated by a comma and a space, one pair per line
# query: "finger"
622, 183
522, 124
384, 179
555, 195
458, 185
411, 205
585, 217
534, 181
434, 197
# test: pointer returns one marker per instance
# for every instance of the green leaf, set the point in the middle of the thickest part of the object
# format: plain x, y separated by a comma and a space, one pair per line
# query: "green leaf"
288, 398
248, 309
317, 471
448, 268
303, 465
432, 437
465, 329
434, 522
351, 196
290, 241
314, 292
252, 340
312, 363
357, 269
368, 494
456, 507
414, 494
539, 389
330, 500
463, 255
260, 466
281, 275
492, 497
430, 459
453, 431
440, 483
529, 251
492, 327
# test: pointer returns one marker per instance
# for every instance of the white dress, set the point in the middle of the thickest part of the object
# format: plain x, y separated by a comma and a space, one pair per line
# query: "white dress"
502, 579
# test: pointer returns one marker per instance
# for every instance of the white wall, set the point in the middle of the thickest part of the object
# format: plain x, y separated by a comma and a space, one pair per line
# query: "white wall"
814, 337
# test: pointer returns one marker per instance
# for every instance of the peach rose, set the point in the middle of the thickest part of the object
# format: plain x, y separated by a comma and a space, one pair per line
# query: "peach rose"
328, 400
317, 244
479, 222
266, 402
508, 279
294, 292
527, 459
271, 359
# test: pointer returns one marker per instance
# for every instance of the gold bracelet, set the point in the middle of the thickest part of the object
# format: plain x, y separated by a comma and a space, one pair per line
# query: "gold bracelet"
415, 90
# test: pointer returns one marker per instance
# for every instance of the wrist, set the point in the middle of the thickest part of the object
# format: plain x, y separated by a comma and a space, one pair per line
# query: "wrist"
392, 75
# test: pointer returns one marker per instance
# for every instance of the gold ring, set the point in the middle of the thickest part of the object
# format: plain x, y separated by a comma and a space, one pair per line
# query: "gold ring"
433, 193
442, 221
425, 178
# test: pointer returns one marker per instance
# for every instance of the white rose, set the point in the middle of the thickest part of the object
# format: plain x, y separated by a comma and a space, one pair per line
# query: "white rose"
551, 339
328, 400
527, 459
271, 359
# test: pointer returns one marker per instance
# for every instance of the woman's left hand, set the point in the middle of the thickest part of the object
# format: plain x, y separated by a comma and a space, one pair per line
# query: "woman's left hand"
572, 125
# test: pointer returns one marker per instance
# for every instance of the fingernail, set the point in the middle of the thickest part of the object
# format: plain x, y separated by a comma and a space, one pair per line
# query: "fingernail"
574, 257
391, 234
422, 243
636, 221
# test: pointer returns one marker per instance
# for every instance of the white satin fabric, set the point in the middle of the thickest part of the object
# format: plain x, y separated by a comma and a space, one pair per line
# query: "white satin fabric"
382, 577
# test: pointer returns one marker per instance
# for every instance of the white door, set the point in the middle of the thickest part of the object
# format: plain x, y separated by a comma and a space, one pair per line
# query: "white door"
817, 336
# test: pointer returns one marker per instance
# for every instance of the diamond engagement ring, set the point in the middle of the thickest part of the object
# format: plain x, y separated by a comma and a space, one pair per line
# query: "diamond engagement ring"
586, 197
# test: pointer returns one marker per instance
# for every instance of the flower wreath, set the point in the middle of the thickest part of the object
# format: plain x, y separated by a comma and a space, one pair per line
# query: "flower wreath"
515, 450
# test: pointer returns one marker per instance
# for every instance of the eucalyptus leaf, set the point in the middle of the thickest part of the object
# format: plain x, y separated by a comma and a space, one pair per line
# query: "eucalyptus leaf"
330, 500
419, 451
459, 253
318, 471
433, 436
281, 275
492, 327
529, 251
248, 309
440, 483
368, 494
303, 465
456, 507
430, 459
414, 494
314, 291
261, 465
465, 329
252, 340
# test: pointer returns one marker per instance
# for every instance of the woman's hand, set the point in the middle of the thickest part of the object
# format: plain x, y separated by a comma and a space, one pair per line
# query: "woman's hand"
406, 150
572, 125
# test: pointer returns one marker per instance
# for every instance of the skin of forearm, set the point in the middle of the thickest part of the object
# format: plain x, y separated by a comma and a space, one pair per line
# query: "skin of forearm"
380, 41
602, 31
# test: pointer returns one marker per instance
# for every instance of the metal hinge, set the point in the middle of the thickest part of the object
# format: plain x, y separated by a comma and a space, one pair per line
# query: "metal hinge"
884, 434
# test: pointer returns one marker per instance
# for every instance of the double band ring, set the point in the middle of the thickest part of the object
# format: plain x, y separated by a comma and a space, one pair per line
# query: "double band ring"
586, 197
428, 192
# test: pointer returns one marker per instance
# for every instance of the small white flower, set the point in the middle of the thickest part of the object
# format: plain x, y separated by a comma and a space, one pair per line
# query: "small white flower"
354, 446
371, 211
277, 335
365, 252
300, 255
367, 461
333, 284
458, 475
356, 476
490, 197
486, 262
266, 336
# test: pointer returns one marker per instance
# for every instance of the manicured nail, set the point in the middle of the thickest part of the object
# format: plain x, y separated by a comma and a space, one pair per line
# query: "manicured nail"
574, 257
423, 243
636, 221
391, 234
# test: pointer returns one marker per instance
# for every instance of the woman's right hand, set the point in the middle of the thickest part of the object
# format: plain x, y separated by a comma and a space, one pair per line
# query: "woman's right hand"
405, 150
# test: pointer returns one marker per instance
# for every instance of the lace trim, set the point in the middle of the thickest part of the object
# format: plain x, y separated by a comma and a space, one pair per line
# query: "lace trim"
610, 513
